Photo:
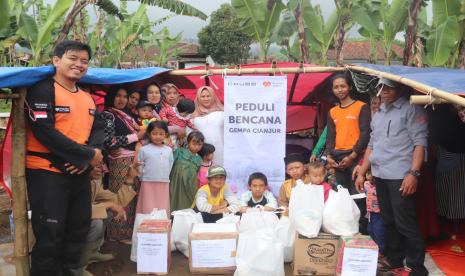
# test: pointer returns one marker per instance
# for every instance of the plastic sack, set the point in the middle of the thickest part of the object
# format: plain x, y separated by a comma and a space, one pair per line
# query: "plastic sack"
182, 222
341, 214
229, 218
286, 235
258, 253
155, 214
256, 220
306, 208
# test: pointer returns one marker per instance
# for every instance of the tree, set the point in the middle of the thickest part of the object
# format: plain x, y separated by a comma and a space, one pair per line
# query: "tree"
344, 10
410, 34
258, 19
222, 39
381, 20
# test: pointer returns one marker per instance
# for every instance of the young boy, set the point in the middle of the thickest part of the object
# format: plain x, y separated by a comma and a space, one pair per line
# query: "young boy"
145, 113
295, 168
215, 199
258, 195
375, 222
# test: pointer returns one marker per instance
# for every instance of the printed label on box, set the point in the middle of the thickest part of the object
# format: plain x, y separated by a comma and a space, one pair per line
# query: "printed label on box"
213, 253
359, 261
152, 253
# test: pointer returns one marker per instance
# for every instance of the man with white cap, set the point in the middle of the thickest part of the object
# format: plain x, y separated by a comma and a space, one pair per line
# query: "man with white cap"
395, 153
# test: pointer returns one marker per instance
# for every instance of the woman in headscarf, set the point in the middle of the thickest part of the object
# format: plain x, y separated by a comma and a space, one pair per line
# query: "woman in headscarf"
121, 137
134, 96
152, 93
208, 118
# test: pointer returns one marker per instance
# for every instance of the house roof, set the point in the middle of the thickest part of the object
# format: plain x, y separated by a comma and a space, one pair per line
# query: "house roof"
360, 50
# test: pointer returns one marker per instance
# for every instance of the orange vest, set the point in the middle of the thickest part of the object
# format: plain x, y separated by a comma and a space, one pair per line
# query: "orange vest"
346, 122
74, 117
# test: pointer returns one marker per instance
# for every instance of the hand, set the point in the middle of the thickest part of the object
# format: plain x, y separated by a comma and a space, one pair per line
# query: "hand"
359, 183
119, 211
97, 159
355, 171
181, 133
346, 162
331, 162
71, 169
133, 171
244, 209
313, 158
223, 204
409, 185
141, 133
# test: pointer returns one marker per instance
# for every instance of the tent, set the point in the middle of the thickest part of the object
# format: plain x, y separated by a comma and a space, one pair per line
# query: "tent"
303, 80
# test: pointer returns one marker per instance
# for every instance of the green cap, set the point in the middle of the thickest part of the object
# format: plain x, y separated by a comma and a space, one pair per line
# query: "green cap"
216, 170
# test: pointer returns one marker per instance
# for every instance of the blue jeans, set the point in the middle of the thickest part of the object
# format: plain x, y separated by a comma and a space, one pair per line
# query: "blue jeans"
376, 230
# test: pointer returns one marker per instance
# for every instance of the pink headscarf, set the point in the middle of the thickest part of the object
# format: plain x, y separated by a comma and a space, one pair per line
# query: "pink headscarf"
201, 110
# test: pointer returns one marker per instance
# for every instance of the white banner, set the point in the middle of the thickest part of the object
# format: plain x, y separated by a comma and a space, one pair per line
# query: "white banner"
254, 129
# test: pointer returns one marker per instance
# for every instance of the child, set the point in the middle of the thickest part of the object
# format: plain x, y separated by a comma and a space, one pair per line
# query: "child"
215, 199
258, 195
179, 116
375, 222
145, 113
156, 161
183, 176
316, 176
207, 156
296, 170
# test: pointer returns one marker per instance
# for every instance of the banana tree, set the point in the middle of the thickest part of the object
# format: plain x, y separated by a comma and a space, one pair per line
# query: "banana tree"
446, 39
344, 11
381, 20
320, 34
258, 20
413, 12
285, 35
165, 44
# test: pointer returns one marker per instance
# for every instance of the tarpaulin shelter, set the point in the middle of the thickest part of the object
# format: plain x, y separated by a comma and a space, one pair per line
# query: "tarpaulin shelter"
445, 84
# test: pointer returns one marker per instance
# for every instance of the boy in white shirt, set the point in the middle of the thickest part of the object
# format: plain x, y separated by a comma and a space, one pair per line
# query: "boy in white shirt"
258, 194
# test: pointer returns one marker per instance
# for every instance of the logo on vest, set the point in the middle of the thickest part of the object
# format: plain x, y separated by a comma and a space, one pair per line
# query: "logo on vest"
62, 109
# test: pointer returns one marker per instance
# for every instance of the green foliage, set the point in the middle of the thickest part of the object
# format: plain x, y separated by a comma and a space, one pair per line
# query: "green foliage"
166, 46
258, 20
177, 7
222, 39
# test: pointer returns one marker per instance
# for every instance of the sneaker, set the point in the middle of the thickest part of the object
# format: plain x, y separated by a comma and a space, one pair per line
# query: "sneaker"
401, 271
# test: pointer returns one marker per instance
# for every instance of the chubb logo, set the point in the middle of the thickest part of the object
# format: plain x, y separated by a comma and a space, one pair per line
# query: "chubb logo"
267, 83
321, 251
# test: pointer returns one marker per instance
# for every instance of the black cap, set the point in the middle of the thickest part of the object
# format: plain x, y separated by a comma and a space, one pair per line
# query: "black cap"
294, 157
144, 103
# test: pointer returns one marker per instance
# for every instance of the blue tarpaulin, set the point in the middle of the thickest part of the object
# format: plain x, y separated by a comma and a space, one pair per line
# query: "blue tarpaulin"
26, 76
448, 80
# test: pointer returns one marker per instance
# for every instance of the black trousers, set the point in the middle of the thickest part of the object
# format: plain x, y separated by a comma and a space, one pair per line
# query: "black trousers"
61, 211
404, 239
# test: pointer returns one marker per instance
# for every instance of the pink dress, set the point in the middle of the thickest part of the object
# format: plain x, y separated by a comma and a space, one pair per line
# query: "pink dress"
202, 176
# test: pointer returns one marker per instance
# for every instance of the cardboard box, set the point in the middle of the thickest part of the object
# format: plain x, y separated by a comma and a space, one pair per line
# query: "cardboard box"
212, 248
358, 255
316, 256
153, 247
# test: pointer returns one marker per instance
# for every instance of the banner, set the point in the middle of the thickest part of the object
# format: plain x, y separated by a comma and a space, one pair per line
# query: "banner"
254, 129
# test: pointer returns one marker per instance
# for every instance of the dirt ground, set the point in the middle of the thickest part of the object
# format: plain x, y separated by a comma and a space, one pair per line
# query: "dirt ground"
121, 265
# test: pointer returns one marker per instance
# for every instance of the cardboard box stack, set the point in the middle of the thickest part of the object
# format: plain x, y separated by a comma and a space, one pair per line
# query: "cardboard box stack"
316, 256
358, 256
153, 247
212, 248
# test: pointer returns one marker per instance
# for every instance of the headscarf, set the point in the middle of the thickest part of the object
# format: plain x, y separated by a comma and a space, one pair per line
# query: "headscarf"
200, 110
156, 106
164, 88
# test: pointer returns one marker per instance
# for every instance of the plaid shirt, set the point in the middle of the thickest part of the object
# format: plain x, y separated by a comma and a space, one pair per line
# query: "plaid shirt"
174, 119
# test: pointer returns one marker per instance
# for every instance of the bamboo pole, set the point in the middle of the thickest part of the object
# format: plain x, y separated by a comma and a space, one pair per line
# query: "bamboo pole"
270, 70
448, 97
18, 184
424, 100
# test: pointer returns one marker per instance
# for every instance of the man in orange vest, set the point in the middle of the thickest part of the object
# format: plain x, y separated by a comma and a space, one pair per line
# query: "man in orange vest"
63, 142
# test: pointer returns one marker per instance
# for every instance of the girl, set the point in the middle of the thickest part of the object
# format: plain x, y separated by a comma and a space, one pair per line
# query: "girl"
156, 161
183, 177
207, 157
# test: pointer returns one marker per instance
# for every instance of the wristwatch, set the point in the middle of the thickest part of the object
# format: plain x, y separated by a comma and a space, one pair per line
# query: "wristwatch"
414, 173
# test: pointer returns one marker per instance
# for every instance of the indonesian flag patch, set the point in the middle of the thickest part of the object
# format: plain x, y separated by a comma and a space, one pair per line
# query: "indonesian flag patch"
40, 114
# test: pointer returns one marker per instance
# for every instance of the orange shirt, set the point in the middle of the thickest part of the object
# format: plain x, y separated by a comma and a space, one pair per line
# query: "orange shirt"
346, 121
74, 117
